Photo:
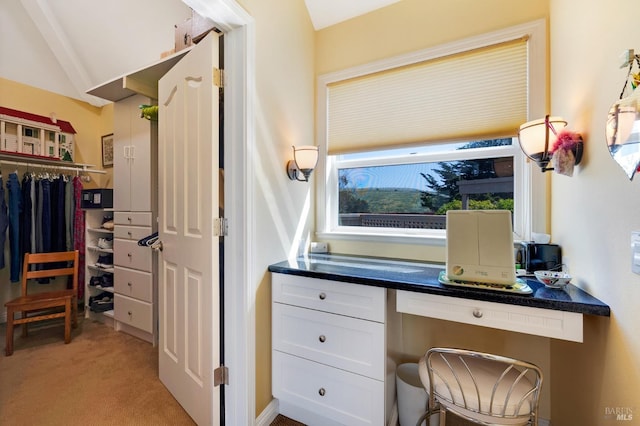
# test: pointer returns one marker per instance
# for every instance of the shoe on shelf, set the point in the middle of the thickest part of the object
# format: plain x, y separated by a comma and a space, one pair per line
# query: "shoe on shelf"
105, 260
95, 281
101, 302
105, 243
107, 222
107, 280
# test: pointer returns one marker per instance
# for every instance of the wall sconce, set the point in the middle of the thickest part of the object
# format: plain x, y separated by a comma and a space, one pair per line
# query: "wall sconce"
538, 140
304, 161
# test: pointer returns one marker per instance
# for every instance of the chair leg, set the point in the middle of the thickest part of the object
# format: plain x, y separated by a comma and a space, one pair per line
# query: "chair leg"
443, 415
74, 312
25, 331
8, 350
67, 320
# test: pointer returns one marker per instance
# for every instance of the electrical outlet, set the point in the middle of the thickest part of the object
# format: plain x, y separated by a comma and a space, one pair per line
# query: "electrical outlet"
635, 252
317, 247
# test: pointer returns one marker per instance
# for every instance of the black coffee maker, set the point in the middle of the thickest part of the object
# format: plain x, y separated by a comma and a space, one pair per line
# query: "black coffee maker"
539, 257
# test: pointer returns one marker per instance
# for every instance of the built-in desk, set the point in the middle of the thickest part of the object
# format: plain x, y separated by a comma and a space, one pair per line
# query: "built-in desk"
331, 328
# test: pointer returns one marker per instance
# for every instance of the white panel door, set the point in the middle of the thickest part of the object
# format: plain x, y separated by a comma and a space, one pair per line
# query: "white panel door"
189, 339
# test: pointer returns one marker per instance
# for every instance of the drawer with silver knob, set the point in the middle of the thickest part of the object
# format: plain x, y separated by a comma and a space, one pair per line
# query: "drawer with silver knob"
130, 255
133, 312
354, 300
133, 283
348, 343
335, 395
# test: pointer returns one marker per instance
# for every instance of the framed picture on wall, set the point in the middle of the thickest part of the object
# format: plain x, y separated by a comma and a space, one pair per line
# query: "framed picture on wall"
107, 150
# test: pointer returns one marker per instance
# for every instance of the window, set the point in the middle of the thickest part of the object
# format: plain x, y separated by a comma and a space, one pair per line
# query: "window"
389, 169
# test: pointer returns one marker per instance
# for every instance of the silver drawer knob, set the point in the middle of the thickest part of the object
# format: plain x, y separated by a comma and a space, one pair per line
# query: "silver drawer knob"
129, 284
322, 338
477, 313
321, 392
130, 313
322, 296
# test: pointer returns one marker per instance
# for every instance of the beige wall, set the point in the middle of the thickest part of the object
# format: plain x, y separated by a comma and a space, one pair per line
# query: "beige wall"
593, 214
284, 116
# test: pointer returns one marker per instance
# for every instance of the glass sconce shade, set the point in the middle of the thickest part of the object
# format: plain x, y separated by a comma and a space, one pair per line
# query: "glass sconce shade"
304, 161
538, 136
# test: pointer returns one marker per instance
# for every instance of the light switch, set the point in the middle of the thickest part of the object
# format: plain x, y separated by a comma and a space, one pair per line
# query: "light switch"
635, 252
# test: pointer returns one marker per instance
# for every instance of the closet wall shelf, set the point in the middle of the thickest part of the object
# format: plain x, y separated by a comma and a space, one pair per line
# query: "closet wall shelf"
41, 163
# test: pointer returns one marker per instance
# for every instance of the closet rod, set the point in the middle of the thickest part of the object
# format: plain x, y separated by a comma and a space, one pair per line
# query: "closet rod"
78, 168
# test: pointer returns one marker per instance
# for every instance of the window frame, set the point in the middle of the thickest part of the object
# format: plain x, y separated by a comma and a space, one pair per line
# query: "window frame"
529, 181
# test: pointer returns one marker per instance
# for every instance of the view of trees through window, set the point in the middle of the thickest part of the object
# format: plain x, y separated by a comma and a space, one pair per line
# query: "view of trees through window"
418, 195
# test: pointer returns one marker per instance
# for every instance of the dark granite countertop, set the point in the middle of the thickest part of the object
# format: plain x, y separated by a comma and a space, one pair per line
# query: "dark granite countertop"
423, 277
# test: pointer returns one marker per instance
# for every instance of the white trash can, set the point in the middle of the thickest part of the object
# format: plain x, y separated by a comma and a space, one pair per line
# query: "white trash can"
412, 398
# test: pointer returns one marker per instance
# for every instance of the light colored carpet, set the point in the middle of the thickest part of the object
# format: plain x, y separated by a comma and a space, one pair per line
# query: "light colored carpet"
102, 377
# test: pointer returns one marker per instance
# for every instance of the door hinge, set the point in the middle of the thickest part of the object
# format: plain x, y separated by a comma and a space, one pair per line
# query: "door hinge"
221, 376
220, 227
218, 77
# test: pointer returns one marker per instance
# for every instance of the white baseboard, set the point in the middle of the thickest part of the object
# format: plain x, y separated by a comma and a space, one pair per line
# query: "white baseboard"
269, 414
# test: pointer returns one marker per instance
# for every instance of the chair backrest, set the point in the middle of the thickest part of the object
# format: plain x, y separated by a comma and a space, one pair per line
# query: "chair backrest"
58, 264
483, 387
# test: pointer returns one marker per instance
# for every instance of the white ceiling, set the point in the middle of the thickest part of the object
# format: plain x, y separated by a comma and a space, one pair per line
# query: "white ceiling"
325, 13
71, 46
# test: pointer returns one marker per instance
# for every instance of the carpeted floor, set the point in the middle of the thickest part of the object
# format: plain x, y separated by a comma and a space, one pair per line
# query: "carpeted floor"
285, 421
102, 377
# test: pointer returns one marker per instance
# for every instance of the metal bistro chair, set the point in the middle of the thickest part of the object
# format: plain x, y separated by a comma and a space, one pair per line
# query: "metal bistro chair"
482, 388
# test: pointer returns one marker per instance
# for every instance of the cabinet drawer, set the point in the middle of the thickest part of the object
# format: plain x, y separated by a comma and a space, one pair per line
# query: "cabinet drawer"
130, 255
132, 283
354, 300
132, 218
136, 233
133, 312
347, 343
337, 395
523, 319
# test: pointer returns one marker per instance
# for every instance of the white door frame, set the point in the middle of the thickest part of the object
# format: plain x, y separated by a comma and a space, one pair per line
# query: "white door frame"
239, 292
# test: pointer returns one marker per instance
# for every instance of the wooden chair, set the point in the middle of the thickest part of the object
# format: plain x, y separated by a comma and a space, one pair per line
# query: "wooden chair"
42, 306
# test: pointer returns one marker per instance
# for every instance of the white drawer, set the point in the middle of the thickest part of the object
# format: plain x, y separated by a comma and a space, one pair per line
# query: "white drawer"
355, 300
130, 255
523, 319
136, 233
339, 396
351, 344
133, 312
132, 218
132, 283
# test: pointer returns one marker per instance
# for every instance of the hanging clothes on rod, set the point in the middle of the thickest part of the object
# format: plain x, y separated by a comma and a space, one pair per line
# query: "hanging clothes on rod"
43, 214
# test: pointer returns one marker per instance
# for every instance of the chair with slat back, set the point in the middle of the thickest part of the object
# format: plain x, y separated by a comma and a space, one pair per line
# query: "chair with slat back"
482, 388
45, 305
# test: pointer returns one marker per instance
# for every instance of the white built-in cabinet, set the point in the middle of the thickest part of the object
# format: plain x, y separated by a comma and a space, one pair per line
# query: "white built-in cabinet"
134, 204
134, 158
329, 351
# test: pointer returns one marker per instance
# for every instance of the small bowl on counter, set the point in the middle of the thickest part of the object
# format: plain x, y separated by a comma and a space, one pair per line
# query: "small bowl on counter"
553, 279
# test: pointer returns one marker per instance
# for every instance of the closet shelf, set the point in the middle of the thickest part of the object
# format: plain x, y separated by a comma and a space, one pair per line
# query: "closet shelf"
43, 163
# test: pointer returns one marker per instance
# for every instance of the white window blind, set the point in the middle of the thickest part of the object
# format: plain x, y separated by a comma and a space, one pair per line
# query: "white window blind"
475, 94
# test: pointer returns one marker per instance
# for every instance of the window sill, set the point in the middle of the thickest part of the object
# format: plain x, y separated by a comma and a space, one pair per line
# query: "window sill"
390, 236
